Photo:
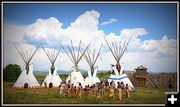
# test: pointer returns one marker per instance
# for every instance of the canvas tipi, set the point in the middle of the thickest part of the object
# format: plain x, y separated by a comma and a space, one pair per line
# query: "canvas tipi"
26, 78
52, 79
118, 75
91, 58
75, 77
92, 78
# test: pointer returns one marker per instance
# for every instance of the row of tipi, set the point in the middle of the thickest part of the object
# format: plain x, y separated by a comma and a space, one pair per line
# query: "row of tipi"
28, 80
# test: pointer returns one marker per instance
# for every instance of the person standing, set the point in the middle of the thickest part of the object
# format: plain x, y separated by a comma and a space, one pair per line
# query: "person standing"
75, 91
72, 93
102, 88
108, 90
61, 90
111, 93
119, 91
98, 96
127, 91
94, 89
85, 91
65, 89
79, 91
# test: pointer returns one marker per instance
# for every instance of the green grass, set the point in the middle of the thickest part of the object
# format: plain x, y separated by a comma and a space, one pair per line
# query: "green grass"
103, 75
50, 95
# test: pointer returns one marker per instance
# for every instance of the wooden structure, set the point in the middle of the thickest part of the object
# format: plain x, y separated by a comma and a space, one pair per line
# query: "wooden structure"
141, 75
141, 78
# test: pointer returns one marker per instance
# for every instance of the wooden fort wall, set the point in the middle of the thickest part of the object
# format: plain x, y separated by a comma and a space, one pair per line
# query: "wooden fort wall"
153, 80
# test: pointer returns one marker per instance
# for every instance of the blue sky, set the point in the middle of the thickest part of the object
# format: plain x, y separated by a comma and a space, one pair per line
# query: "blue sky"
154, 26
157, 19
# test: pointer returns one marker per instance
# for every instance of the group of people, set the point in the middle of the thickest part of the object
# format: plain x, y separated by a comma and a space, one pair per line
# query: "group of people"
69, 90
120, 92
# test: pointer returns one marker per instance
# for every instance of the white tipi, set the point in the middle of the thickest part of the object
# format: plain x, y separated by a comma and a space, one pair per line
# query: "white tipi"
92, 79
26, 78
91, 58
118, 75
75, 77
52, 79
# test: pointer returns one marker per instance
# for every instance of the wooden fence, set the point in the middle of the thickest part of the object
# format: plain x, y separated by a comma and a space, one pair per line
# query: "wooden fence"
155, 80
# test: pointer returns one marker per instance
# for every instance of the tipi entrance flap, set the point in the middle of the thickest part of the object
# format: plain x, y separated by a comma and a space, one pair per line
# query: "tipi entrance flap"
91, 80
95, 72
89, 74
115, 70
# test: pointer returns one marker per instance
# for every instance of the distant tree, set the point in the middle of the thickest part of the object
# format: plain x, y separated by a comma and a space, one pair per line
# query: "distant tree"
11, 72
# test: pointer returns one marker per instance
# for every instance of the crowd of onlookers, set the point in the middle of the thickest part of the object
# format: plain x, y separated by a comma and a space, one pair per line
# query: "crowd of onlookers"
69, 90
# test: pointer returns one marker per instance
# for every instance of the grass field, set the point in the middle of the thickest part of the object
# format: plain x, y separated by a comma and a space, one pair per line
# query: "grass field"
51, 96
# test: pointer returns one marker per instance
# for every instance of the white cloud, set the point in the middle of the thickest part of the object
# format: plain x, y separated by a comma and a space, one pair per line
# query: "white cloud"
12, 33
87, 21
127, 33
49, 31
43, 31
164, 46
111, 21
157, 55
